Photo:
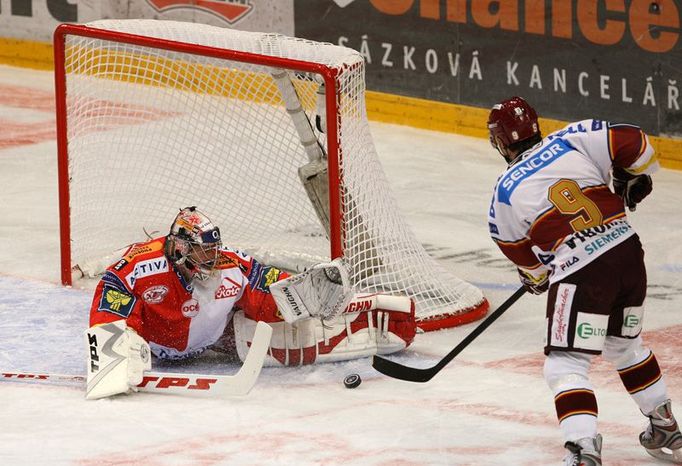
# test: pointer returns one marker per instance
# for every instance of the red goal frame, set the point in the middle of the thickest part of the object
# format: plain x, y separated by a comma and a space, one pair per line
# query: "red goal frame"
328, 74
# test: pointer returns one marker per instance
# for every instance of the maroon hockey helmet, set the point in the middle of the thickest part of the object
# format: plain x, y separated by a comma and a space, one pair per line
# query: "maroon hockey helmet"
511, 121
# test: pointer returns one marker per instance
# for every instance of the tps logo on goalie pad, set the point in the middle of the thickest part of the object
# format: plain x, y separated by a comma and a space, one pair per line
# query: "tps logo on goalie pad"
227, 10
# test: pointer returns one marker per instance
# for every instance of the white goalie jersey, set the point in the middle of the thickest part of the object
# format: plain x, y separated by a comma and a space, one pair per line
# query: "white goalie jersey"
552, 209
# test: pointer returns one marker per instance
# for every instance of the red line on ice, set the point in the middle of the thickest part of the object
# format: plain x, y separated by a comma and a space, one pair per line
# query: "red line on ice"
26, 97
19, 134
103, 115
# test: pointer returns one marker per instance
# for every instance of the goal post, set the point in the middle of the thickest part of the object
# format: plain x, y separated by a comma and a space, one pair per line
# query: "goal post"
156, 115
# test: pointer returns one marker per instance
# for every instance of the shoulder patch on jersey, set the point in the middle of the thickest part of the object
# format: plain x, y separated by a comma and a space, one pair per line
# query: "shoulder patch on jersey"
255, 274
114, 281
120, 265
269, 276
116, 302
143, 248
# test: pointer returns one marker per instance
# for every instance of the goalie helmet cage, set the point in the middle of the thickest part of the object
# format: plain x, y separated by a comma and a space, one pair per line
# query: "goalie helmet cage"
154, 115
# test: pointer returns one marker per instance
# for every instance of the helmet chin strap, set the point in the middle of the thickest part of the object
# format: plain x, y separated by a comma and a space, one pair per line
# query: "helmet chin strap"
511, 160
506, 153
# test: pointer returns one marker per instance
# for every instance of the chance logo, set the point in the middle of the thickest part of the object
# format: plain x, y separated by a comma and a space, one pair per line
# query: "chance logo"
230, 11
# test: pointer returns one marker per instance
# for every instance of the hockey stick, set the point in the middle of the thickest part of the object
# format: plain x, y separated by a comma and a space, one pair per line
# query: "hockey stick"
240, 383
314, 175
414, 374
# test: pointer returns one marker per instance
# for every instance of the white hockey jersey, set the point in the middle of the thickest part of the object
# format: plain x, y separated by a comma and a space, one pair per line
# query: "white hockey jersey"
552, 209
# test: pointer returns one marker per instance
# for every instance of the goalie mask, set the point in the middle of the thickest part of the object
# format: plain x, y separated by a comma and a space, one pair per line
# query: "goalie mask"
511, 122
194, 243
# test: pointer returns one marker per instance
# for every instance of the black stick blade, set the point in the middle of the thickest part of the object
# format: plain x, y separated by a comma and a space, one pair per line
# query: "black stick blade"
398, 371
413, 374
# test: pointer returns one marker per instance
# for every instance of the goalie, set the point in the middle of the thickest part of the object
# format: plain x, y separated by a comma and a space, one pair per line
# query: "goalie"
180, 295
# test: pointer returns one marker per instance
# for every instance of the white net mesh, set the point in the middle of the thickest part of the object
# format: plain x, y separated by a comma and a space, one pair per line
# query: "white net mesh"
151, 130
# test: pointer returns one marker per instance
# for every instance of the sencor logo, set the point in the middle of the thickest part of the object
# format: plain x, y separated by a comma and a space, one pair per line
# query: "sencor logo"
230, 11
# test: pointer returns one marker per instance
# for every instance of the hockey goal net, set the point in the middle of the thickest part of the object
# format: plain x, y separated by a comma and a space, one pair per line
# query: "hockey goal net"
153, 116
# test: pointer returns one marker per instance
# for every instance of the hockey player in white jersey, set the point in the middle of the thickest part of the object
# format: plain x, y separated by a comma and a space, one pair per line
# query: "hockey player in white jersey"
554, 216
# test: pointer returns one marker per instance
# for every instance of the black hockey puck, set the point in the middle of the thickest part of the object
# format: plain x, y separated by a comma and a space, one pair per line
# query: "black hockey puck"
352, 380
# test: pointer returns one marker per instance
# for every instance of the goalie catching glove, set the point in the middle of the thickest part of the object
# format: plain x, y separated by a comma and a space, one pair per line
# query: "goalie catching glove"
117, 359
321, 291
632, 188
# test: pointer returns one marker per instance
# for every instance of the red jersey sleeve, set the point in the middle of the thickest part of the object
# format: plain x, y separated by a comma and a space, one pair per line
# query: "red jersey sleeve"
630, 149
113, 301
519, 252
257, 302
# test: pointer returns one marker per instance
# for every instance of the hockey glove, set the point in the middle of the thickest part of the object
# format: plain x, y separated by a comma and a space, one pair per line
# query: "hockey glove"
534, 285
632, 188
321, 291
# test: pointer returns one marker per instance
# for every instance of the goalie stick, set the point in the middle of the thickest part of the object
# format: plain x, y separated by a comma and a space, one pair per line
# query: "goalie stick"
415, 374
178, 383
314, 175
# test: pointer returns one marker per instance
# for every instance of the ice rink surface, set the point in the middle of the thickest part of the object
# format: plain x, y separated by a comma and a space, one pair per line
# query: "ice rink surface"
488, 407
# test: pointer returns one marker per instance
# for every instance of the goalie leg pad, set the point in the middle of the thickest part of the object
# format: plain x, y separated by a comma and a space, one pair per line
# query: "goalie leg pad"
350, 335
117, 359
